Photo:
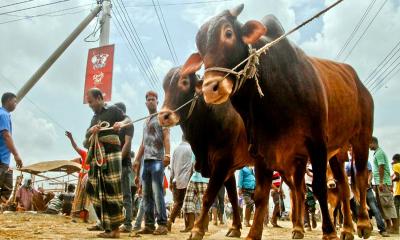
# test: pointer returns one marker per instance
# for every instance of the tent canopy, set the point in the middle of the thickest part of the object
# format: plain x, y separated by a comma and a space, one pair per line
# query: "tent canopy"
67, 166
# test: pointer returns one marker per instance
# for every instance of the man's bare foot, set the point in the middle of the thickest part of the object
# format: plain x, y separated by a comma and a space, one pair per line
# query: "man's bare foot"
112, 234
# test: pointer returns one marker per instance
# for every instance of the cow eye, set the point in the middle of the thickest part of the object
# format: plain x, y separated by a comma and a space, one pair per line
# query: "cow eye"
228, 33
185, 83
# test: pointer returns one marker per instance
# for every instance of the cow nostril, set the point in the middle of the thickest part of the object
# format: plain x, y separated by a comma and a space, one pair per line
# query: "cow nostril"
166, 116
215, 88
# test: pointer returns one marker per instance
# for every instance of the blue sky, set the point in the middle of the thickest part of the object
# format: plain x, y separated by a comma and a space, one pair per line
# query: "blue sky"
27, 43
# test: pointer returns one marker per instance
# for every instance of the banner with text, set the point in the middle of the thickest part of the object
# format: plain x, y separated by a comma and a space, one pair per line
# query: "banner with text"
99, 71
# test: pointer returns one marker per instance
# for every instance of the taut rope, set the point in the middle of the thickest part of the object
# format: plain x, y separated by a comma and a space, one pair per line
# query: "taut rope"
250, 69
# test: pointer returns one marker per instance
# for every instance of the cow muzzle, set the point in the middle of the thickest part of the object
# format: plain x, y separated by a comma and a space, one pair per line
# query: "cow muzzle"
216, 89
168, 118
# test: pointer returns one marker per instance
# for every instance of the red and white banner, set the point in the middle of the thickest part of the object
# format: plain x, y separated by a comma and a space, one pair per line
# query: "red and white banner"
99, 70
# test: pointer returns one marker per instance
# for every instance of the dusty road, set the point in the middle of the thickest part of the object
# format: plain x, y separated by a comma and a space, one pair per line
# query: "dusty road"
40, 226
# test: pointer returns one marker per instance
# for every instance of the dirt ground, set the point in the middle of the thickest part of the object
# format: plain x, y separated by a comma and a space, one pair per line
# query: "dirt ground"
41, 226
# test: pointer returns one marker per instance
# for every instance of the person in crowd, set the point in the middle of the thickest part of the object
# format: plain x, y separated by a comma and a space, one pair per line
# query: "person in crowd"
383, 185
247, 185
125, 137
55, 206
276, 192
396, 180
155, 151
80, 206
104, 157
193, 198
7, 146
24, 195
310, 202
373, 205
218, 207
181, 170
67, 199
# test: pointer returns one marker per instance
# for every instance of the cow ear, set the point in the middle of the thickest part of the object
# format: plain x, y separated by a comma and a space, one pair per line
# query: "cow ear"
192, 64
199, 85
252, 31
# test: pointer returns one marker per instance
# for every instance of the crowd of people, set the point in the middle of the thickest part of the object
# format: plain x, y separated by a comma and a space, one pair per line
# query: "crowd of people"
121, 185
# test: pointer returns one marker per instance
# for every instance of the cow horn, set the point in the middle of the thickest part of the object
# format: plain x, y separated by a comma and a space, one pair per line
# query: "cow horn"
236, 10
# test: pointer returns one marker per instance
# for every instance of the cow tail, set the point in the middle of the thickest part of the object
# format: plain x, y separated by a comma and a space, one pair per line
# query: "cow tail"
353, 185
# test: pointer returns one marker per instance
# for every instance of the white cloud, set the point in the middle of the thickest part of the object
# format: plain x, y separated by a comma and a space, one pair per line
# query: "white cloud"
283, 10
162, 66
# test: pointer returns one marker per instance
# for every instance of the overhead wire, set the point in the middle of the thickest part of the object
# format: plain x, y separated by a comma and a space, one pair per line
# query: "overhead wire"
50, 13
142, 69
17, 3
165, 32
35, 105
356, 28
365, 30
180, 3
382, 64
383, 75
386, 79
138, 44
33, 7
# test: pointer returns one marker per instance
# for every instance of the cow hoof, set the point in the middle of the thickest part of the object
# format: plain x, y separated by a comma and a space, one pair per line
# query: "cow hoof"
364, 233
234, 233
297, 235
196, 236
346, 236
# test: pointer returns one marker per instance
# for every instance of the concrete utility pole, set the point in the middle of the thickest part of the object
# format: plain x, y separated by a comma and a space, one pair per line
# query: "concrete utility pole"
105, 23
56, 54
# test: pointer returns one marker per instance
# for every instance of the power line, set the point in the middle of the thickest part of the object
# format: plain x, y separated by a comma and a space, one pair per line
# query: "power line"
181, 3
352, 34
34, 104
138, 44
141, 65
37, 6
381, 76
387, 78
164, 34
50, 14
17, 3
137, 50
169, 36
129, 46
365, 30
382, 64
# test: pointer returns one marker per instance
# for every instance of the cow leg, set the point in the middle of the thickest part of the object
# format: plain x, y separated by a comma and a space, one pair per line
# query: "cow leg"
214, 185
344, 192
360, 154
261, 198
293, 202
231, 190
298, 207
318, 156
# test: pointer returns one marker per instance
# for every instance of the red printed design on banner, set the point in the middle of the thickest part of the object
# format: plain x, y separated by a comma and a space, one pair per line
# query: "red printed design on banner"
99, 70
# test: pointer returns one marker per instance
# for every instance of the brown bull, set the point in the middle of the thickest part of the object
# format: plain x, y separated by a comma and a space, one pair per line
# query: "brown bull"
218, 139
310, 109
